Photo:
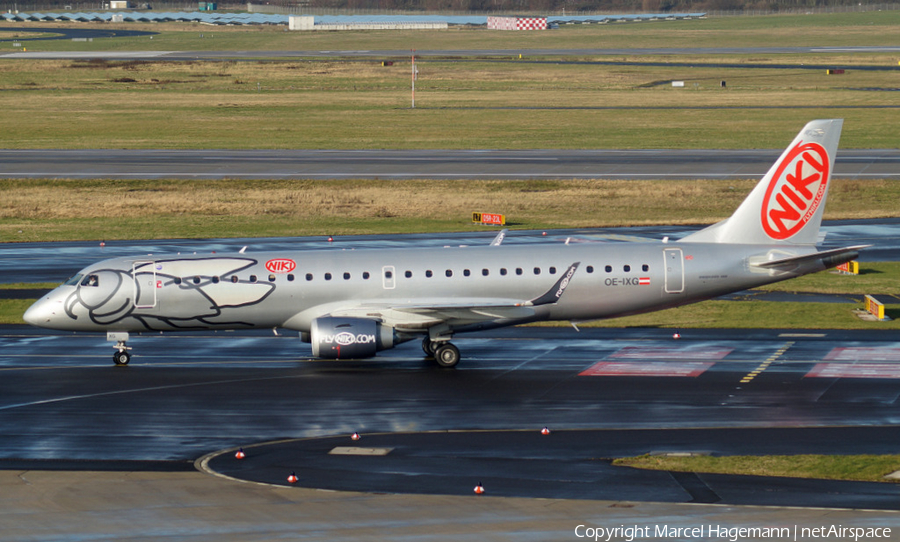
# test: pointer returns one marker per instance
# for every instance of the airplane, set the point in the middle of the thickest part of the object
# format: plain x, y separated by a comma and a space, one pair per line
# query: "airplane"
351, 304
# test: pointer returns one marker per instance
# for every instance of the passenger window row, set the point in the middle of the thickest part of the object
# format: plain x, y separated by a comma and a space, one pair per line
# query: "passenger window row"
408, 274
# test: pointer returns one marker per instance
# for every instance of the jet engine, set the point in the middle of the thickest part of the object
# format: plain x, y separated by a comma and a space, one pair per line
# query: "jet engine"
345, 338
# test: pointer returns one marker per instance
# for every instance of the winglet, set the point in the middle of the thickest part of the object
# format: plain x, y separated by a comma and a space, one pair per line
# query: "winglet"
500, 237
554, 294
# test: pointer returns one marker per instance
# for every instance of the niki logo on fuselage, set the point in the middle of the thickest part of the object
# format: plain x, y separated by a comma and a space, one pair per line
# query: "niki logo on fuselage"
795, 191
281, 265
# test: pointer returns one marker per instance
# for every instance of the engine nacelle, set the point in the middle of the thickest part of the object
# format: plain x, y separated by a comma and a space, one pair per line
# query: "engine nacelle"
345, 338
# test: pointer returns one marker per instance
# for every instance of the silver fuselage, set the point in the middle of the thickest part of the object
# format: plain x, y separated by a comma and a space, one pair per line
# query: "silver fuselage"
238, 291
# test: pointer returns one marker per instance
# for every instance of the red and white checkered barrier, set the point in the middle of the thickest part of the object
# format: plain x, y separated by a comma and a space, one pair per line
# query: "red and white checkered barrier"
517, 23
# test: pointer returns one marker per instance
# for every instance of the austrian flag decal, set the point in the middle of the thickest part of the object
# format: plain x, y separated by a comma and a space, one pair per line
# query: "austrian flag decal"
795, 191
644, 281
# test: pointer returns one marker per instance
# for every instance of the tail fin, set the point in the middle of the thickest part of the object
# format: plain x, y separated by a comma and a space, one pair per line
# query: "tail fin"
786, 206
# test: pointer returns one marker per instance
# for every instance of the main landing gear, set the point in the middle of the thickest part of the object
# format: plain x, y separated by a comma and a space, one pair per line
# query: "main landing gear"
444, 353
121, 357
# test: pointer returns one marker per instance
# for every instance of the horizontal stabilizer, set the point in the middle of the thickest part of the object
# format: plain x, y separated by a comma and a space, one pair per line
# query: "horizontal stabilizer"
829, 258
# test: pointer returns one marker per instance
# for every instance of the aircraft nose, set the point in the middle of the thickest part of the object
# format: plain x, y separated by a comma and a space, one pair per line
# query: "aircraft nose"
41, 314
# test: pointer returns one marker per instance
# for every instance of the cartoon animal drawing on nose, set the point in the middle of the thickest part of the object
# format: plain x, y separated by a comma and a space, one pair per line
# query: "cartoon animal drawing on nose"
165, 294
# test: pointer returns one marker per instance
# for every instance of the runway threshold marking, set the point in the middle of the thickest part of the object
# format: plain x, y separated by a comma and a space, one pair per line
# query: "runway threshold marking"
666, 353
765, 365
863, 353
854, 370
690, 369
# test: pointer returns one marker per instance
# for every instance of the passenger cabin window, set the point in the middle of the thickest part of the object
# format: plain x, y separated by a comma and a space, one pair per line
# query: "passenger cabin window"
466, 272
645, 267
626, 268
234, 279
177, 281
197, 279
272, 278
518, 270
537, 270
408, 274
449, 272
309, 276
552, 270
609, 269
215, 280
428, 273
503, 271
346, 276
590, 269
327, 276
366, 275
290, 278
485, 272
252, 279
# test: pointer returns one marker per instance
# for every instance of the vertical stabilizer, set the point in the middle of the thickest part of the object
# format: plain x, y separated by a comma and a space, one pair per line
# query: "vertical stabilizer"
786, 206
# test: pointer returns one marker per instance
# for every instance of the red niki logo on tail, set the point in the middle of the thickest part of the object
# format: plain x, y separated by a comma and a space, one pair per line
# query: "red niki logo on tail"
795, 191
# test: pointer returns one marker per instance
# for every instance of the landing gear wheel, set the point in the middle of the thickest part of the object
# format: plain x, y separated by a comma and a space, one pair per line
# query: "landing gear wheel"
121, 358
428, 347
446, 355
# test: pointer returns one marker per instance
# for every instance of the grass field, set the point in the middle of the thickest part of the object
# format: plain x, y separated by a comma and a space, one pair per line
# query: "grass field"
866, 468
840, 29
44, 210
471, 103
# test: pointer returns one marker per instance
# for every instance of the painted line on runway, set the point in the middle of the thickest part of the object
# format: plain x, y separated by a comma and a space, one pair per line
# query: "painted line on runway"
854, 370
666, 353
689, 369
765, 365
863, 353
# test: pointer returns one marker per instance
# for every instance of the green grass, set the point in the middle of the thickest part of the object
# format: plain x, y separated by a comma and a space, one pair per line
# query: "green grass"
29, 285
358, 104
867, 468
11, 310
60, 209
872, 28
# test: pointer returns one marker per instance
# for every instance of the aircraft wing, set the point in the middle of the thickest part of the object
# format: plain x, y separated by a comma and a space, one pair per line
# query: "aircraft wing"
425, 313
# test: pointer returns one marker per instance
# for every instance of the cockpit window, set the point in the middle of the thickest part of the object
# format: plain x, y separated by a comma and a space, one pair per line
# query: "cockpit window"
74, 281
90, 280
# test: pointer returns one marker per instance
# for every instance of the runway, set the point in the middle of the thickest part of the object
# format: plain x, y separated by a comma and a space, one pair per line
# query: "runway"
605, 393
450, 53
426, 164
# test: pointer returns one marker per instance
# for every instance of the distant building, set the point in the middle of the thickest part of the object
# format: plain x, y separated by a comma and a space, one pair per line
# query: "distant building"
517, 23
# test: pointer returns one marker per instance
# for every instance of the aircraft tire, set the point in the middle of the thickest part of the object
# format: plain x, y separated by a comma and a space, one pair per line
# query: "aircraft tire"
446, 355
121, 358
428, 347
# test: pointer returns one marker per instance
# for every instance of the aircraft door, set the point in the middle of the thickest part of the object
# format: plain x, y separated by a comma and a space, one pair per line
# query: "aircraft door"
145, 284
674, 261
388, 276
